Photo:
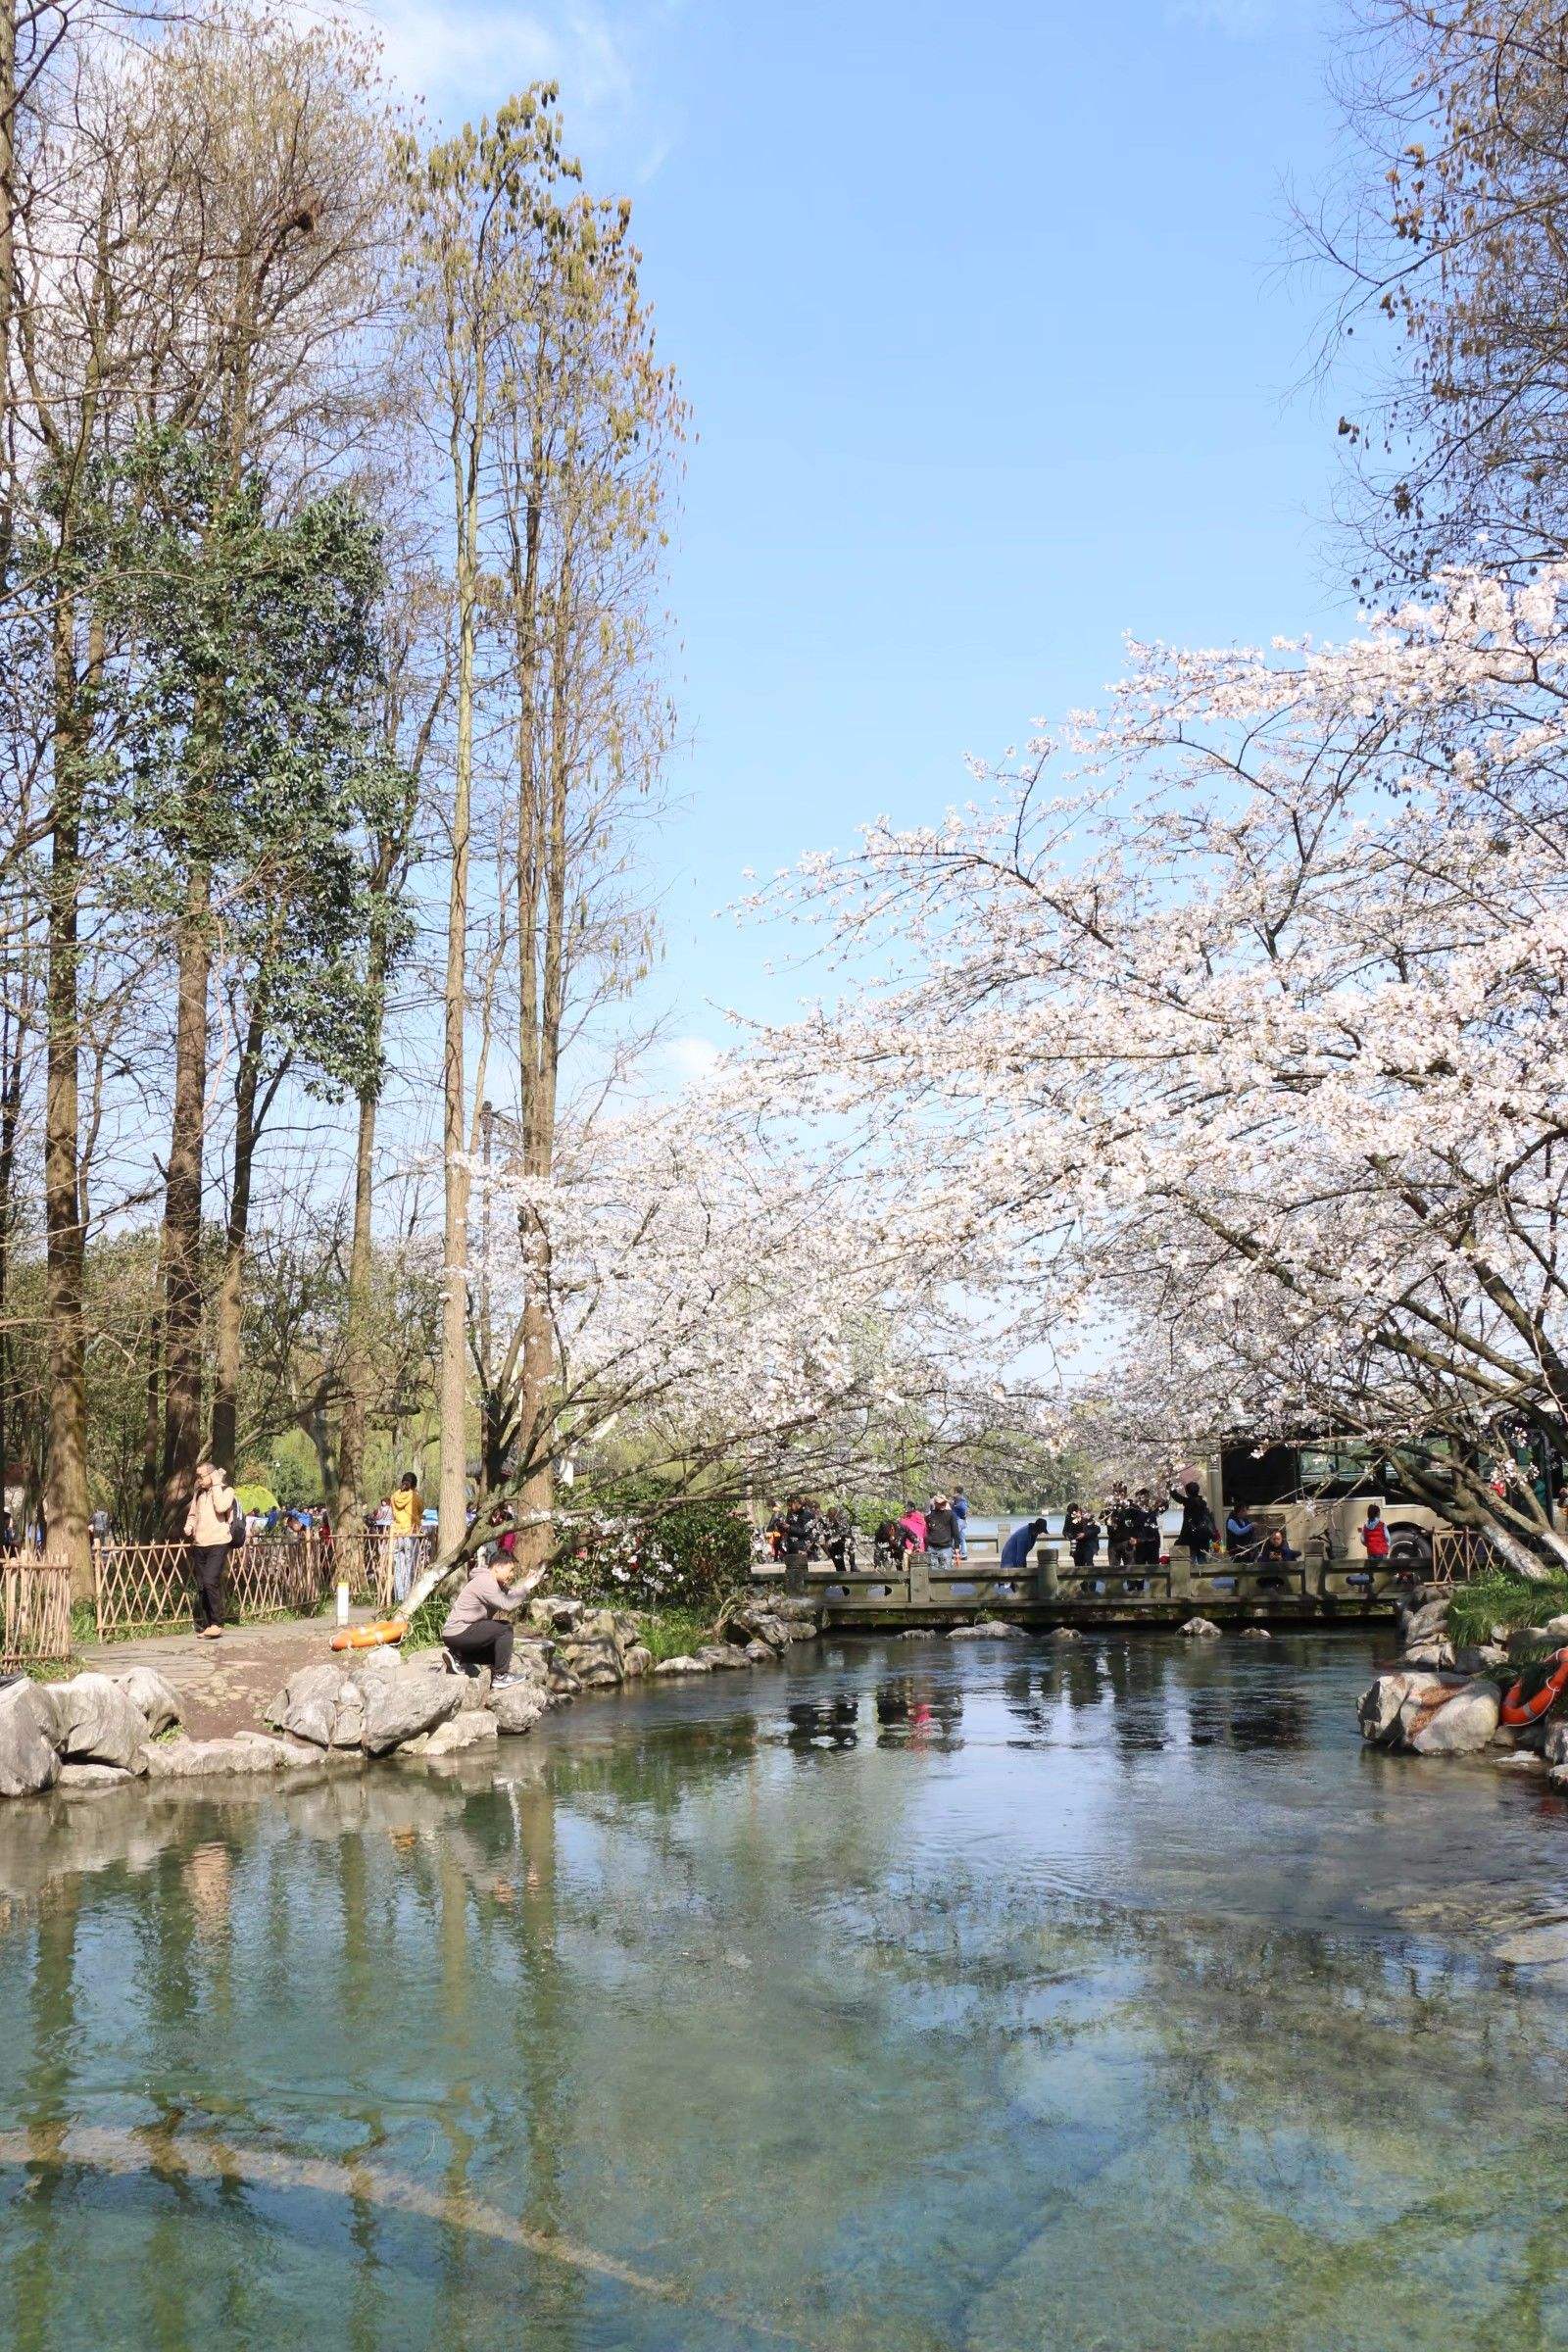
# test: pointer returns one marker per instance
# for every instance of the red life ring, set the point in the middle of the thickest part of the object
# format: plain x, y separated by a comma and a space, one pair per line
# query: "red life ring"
1517, 1710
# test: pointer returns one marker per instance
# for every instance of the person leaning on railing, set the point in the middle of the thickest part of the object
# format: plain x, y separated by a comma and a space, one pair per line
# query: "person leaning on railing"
210, 1531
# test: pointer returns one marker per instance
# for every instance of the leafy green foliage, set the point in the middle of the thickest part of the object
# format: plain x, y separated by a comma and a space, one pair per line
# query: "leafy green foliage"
1503, 1600
645, 1550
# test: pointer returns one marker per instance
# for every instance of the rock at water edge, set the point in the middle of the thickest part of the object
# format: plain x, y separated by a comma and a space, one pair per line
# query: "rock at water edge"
95, 1723
988, 1628
453, 1738
518, 1707
29, 1760
1201, 1629
722, 1657
682, 1665
1462, 1724
197, 1759
404, 1706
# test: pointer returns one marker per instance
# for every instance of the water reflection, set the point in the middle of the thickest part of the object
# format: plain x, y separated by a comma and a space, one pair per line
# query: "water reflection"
1103, 1996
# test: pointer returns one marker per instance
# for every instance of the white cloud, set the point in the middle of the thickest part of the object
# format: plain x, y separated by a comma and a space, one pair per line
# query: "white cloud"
463, 57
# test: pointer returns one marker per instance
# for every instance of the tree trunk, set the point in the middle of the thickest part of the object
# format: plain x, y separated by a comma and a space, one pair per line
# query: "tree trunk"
15, 1024
453, 1498
65, 1473
231, 1290
357, 1332
152, 1430
182, 1207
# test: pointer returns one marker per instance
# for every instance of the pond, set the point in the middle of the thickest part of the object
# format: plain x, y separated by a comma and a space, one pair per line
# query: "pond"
926, 1995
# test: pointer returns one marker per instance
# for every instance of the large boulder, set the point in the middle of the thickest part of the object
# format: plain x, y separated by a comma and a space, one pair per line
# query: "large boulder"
554, 1614
404, 1706
1434, 1656
308, 1703
474, 1690
201, 1759
796, 1608
453, 1738
155, 1700
1396, 1704
1462, 1724
1556, 1747
637, 1660
1427, 1622
28, 1758
595, 1661
95, 1723
518, 1707
759, 1654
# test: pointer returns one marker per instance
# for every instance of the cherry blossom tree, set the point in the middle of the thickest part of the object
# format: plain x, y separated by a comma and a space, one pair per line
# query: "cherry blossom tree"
742, 1313
1236, 1022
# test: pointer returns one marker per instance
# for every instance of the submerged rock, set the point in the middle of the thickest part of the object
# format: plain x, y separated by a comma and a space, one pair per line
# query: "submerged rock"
1256, 1633
28, 1758
988, 1628
1064, 1633
682, 1665
1201, 1629
1536, 1948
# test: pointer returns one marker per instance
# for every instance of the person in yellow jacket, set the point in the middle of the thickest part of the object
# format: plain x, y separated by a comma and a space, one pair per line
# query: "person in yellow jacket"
210, 1531
407, 1505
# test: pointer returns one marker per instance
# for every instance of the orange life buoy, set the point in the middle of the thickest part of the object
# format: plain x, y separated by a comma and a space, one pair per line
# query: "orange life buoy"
1516, 1709
369, 1636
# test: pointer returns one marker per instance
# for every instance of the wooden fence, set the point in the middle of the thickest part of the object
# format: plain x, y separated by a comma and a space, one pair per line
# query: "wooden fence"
1461, 1553
145, 1587
34, 1612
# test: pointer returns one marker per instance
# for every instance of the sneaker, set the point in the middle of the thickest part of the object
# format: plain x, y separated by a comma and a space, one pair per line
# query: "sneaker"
504, 1681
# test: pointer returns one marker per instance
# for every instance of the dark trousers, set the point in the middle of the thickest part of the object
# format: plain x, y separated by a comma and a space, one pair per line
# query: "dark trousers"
487, 1644
208, 1563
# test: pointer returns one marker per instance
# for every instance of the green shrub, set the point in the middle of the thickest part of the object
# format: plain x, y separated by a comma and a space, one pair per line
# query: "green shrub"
1503, 1600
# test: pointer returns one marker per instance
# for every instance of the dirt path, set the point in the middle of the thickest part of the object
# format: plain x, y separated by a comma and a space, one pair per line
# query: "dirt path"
223, 1686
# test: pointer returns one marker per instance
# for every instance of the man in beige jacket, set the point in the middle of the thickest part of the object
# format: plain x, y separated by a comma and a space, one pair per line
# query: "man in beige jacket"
210, 1531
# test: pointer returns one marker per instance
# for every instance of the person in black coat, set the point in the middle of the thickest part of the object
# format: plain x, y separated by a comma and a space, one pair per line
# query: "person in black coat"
1198, 1533
1082, 1534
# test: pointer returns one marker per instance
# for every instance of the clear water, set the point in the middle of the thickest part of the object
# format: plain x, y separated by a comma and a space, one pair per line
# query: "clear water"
926, 1995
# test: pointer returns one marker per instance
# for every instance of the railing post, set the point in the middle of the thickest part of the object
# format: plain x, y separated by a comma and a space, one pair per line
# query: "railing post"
1048, 1583
1181, 1576
918, 1593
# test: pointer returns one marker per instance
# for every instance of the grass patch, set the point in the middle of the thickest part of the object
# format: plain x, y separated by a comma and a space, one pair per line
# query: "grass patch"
1505, 1600
674, 1633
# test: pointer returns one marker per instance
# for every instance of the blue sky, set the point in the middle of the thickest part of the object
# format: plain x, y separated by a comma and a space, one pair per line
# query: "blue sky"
981, 317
